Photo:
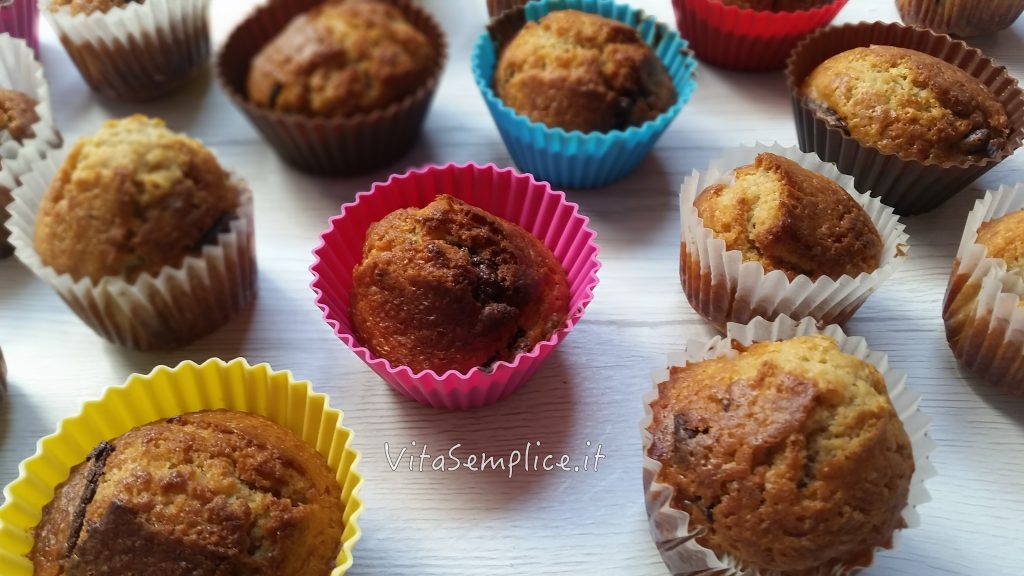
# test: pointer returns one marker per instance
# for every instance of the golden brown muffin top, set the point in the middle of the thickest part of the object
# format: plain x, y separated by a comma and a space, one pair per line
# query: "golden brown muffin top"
132, 199
342, 58
17, 114
777, 5
205, 494
453, 287
789, 456
580, 71
90, 6
792, 219
908, 103
1004, 238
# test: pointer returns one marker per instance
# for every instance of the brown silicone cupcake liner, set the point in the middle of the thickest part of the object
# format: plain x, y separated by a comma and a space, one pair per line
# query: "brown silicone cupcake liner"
138, 52
328, 146
960, 17
909, 186
496, 7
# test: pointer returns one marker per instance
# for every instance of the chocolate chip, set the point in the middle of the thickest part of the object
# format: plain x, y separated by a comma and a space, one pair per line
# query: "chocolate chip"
827, 115
976, 142
97, 463
275, 92
685, 432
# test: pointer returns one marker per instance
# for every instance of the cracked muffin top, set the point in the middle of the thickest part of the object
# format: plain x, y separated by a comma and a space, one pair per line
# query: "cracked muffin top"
342, 58
777, 5
132, 199
1004, 238
452, 287
17, 115
789, 218
204, 494
90, 6
579, 71
907, 103
788, 456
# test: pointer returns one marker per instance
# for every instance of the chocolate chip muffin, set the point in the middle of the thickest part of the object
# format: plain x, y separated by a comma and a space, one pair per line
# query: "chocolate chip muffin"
907, 103
579, 71
204, 494
17, 115
792, 219
788, 456
90, 6
777, 5
452, 287
132, 199
343, 57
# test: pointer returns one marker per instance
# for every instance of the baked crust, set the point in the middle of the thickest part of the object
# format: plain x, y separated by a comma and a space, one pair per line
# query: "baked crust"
90, 6
1004, 238
788, 457
580, 71
17, 114
452, 287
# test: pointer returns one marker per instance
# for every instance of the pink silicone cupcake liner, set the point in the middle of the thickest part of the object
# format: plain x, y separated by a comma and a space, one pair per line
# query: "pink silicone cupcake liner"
501, 191
747, 39
20, 18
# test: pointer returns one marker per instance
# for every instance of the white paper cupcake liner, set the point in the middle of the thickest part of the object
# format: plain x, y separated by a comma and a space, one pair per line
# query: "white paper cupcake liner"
670, 527
723, 288
19, 70
139, 51
171, 309
983, 310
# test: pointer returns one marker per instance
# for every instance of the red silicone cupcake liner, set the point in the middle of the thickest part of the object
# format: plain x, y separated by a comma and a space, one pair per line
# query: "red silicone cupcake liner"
746, 39
501, 191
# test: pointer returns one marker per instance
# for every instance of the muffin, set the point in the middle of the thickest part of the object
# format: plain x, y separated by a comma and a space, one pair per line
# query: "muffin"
777, 5
786, 217
135, 50
930, 110
452, 287
786, 455
17, 115
343, 57
209, 493
133, 199
960, 17
579, 71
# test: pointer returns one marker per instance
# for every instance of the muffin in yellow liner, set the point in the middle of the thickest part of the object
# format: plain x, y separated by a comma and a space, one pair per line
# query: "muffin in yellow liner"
168, 392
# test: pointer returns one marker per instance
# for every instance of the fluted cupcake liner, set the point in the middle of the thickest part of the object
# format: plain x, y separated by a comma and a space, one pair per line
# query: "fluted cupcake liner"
164, 393
984, 305
576, 159
173, 308
3, 376
669, 526
20, 19
746, 39
140, 51
909, 186
515, 197
340, 146
960, 17
20, 71
496, 7
723, 288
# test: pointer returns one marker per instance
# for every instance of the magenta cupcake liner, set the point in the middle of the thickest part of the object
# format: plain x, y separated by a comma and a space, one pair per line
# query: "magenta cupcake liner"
501, 191
20, 18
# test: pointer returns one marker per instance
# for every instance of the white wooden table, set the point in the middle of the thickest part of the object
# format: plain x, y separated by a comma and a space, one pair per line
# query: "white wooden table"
465, 523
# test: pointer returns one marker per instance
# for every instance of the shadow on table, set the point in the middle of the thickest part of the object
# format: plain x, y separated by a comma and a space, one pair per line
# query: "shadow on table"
19, 418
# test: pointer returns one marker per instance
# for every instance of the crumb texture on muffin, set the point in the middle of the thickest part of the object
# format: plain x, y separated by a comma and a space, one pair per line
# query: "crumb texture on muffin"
340, 59
792, 219
132, 199
1004, 238
17, 114
452, 287
90, 6
908, 103
777, 5
788, 457
212, 493
580, 71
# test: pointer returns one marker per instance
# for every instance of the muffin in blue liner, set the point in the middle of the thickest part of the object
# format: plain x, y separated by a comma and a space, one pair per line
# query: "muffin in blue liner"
576, 159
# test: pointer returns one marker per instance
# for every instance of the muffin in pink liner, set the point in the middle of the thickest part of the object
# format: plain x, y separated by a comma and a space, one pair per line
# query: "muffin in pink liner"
679, 540
747, 39
20, 19
984, 306
515, 197
722, 287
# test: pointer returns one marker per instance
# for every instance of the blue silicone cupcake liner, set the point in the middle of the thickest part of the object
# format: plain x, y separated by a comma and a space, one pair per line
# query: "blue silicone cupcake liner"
576, 159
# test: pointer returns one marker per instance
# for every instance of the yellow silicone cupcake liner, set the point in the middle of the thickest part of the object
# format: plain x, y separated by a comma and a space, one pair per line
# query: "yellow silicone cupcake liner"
163, 393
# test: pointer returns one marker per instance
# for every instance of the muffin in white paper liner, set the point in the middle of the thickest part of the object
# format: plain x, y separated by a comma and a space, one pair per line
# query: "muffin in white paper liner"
19, 70
723, 288
670, 527
137, 51
171, 309
984, 306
